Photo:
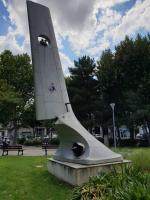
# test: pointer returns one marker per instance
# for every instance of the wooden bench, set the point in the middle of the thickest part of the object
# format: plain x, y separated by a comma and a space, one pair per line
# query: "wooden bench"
47, 147
12, 148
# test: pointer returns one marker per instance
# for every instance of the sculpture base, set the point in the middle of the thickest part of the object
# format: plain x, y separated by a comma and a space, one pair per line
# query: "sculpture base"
76, 174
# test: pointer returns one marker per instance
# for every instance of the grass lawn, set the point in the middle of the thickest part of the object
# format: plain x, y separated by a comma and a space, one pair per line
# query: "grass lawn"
27, 178
140, 157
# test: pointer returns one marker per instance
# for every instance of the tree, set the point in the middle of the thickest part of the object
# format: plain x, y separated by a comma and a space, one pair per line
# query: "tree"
82, 89
109, 89
9, 99
123, 78
16, 90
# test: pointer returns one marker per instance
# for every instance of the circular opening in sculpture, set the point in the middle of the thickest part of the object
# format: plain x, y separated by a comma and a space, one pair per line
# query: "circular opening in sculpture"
78, 149
44, 40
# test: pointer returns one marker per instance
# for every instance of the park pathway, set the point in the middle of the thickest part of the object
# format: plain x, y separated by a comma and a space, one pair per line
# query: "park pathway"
32, 151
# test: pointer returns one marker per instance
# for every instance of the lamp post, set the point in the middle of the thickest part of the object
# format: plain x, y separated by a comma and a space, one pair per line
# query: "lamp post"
113, 109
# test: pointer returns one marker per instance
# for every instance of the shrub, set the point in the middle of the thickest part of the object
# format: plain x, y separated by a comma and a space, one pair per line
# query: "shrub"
55, 141
21, 140
128, 184
33, 142
127, 143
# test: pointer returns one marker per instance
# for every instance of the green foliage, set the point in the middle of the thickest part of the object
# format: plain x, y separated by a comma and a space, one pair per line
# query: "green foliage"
16, 90
127, 184
82, 89
127, 143
130, 183
28, 118
55, 141
37, 141
33, 142
122, 77
17, 71
21, 140
9, 99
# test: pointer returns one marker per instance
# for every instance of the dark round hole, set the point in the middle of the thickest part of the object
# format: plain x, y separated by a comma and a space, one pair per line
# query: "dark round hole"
44, 40
78, 149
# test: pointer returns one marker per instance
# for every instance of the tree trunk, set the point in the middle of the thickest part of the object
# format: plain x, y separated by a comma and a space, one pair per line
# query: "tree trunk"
105, 135
13, 134
131, 129
148, 134
118, 133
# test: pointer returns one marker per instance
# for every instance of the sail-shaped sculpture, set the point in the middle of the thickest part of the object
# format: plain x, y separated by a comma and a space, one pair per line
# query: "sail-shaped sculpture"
77, 145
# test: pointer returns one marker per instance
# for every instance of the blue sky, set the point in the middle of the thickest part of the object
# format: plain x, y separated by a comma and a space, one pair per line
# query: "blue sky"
4, 20
81, 28
123, 7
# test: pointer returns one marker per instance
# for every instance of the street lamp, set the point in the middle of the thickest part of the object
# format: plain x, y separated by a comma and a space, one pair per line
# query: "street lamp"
113, 109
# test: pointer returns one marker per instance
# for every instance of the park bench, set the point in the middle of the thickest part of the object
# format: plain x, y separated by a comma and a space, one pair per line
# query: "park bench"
12, 148
46, 147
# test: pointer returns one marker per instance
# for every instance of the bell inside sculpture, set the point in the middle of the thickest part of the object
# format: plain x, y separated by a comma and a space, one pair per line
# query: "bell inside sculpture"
78, 149
44, 40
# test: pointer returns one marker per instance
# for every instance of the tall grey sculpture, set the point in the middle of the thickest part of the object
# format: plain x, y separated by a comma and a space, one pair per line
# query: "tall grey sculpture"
77, 145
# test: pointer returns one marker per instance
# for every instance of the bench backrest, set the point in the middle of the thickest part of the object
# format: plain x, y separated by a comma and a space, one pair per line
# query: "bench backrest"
49, 146
13, 147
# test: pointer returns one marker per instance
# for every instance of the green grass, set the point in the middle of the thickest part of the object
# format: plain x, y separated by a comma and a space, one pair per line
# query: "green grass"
140, 157
27, 178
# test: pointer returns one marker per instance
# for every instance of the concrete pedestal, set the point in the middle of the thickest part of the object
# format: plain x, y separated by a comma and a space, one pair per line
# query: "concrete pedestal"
76, 174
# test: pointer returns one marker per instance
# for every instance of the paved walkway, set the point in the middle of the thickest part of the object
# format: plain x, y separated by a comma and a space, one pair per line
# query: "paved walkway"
32, 151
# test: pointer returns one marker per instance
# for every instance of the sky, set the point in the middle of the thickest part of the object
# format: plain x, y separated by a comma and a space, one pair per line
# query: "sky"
82, 27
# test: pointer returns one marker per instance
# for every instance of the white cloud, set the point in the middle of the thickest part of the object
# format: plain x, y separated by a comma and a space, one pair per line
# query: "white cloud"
94, 51
4, 17
19, 27
135, 19
79, 21
66, 62
4, 3
18, 17
9, 42
98, 43
75, 20
101, 4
